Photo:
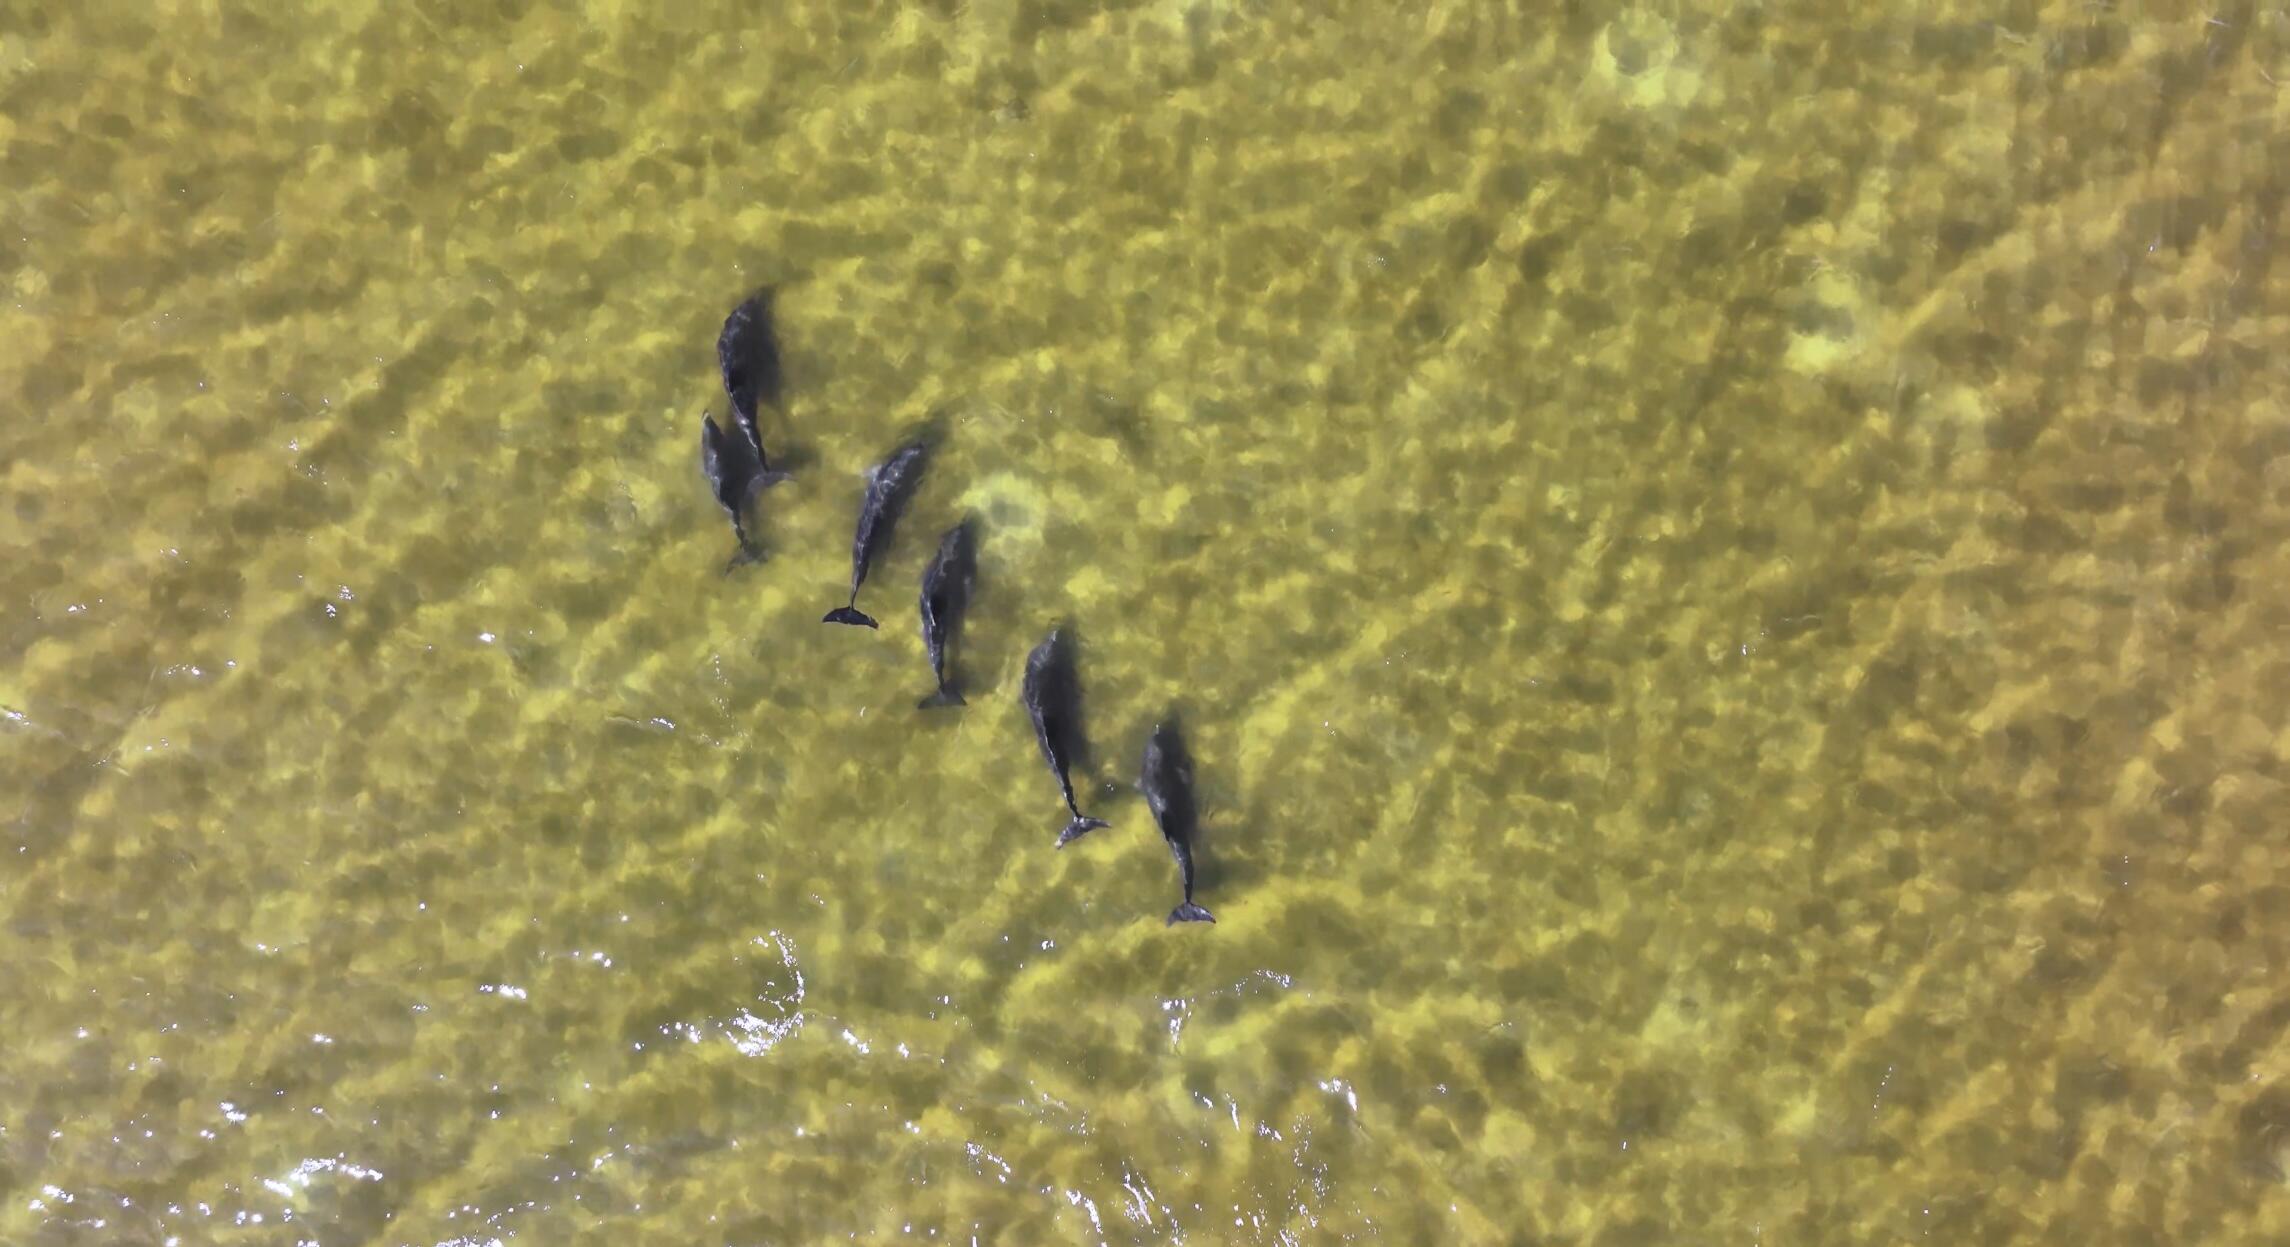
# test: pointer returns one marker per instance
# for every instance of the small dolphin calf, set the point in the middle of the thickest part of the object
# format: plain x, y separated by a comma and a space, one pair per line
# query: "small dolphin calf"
735, 468
748, 354
1167, 781
1052, 695
945, 595
889, 485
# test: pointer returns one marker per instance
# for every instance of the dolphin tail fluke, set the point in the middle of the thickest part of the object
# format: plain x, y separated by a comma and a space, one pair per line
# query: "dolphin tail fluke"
945, 696
1081, 825
749, 552
1189, 912
849, 615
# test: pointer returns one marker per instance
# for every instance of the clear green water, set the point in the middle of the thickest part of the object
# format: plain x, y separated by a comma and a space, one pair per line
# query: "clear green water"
1723, 565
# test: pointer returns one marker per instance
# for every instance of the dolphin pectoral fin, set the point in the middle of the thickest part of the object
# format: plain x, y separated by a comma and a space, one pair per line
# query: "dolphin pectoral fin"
1189, 912
1081, 826
755, 487
849, 615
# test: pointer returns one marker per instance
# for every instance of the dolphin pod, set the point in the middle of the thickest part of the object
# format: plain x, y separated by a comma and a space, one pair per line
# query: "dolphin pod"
738, 470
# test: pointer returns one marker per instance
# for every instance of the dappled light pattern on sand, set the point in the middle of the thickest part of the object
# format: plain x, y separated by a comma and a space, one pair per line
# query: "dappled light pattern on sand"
1721, 565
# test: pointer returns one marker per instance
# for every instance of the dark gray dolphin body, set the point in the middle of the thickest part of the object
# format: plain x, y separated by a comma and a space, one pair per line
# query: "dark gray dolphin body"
735, 467
946, 585
1167, 782
748, 353
889, 485
1052, 694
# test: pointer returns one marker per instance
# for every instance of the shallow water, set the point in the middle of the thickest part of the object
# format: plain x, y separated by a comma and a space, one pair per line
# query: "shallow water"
1721, 566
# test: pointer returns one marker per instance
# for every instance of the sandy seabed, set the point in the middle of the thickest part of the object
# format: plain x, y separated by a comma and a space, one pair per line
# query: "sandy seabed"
1722, 565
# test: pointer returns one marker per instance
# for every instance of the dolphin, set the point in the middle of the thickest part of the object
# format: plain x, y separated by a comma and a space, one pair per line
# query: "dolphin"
1052, 695
737, 472
748, 354
946, 585
889, 485
1167, 782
